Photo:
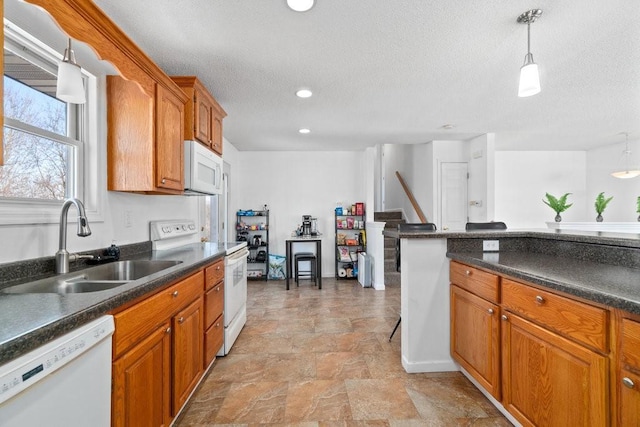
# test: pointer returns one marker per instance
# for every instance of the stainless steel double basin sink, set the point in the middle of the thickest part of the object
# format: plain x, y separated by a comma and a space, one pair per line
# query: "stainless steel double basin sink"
93, 279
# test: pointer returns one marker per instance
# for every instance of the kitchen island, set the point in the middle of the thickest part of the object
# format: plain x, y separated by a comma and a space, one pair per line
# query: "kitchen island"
601, 267
547, 327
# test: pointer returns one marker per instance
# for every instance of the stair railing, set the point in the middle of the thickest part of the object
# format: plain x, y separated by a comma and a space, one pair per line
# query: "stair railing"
412, 199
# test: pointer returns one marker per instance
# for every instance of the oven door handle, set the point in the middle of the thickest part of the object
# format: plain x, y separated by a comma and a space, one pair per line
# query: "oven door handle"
237, 257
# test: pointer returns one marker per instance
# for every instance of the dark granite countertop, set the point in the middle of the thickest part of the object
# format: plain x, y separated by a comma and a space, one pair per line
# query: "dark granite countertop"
598, 237
30, 320
612, 285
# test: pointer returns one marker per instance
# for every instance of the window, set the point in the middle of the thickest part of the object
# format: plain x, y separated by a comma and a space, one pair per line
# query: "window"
51, 149
42, 145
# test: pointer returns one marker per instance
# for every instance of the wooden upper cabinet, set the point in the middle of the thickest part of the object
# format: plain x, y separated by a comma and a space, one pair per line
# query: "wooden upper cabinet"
144, 138
203, 114
169, 140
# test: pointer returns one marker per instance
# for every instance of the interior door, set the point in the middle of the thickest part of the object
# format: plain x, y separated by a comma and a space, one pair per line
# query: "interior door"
453, 196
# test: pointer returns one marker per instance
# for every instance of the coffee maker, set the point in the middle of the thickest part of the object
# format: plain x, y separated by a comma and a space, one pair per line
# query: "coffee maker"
306, 225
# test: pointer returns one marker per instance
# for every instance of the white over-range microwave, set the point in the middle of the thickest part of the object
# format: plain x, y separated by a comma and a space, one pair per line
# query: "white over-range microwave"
202, 170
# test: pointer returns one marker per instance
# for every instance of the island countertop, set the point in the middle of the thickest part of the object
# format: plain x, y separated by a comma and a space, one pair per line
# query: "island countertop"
612, 285
30, 320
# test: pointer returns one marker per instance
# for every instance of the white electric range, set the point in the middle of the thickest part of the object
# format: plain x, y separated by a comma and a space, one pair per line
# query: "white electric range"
172, 234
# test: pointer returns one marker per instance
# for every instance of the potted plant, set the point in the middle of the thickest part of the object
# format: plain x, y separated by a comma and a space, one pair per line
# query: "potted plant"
601, 204
559, 205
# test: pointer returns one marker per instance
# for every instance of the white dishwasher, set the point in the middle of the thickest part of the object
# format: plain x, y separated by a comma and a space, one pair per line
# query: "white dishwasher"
66, 382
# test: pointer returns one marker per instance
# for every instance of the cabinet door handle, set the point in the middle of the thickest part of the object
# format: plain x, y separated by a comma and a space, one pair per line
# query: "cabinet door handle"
490, 311
175, 294
218, 268
628, 382
467, 272
181, 320
504, 317
168, 330
539, 299
164, 181
218, 325
218, 289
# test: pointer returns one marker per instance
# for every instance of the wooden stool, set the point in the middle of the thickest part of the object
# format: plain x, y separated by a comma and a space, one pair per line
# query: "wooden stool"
311, 274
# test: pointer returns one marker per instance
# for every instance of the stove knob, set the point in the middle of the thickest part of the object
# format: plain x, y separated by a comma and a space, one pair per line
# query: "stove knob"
184, 227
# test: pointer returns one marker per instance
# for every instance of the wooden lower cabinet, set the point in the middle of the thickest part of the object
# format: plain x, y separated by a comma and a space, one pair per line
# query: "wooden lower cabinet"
187, 353
475, 338
158, 354
627, 382
549, 380
629, 399
141, 388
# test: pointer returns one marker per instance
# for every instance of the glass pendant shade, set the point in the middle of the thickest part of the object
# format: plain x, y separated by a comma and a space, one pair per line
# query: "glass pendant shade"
529, 78
300, 5
70, 87
626, 174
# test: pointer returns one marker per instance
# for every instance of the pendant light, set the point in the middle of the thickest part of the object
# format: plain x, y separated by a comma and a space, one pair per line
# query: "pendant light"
529, 76
625, 160
300, 5
70, 87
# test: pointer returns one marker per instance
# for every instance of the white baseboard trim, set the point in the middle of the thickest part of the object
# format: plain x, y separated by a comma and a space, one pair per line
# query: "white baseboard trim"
429, 366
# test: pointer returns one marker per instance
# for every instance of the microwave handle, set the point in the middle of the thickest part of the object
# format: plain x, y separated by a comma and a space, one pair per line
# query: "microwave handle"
218, 177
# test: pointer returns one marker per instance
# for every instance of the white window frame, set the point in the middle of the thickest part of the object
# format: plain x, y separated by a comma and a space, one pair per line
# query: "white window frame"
85, 170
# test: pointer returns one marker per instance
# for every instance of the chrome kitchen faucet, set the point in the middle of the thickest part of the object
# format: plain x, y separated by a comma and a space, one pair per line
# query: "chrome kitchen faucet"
62, 256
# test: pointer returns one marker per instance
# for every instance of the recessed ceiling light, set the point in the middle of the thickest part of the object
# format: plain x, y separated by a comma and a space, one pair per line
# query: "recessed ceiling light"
300, 5
304, 93
304, 130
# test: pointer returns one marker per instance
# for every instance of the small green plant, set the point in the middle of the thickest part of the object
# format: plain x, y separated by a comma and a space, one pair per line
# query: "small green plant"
559, 205
638, 205
601, 203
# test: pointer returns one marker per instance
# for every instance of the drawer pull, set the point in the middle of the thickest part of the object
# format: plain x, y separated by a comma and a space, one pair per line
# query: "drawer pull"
628, 382
181, 320
539, 299
175, 294
490, 311
467, 272
168, 330
504, 317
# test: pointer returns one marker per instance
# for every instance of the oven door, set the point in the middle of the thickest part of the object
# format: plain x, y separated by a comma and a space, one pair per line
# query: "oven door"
235, 284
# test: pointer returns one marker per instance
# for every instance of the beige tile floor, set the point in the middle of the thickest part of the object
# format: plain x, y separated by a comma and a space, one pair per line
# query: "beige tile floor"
310, 357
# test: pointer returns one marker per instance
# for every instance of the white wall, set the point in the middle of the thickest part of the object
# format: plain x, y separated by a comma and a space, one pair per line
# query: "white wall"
523, 177
293, 184
482, 178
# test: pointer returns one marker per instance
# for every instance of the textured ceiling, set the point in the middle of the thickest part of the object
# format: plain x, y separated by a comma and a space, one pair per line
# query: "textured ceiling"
396, 71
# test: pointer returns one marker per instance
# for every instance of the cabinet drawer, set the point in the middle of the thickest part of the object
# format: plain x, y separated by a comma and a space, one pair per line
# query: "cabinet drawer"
139, 320
213, 304
630, 344
582, 322
476, 281
213, 338
214, 273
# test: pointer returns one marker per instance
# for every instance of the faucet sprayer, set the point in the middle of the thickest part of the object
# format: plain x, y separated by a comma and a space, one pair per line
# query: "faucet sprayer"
62, 256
